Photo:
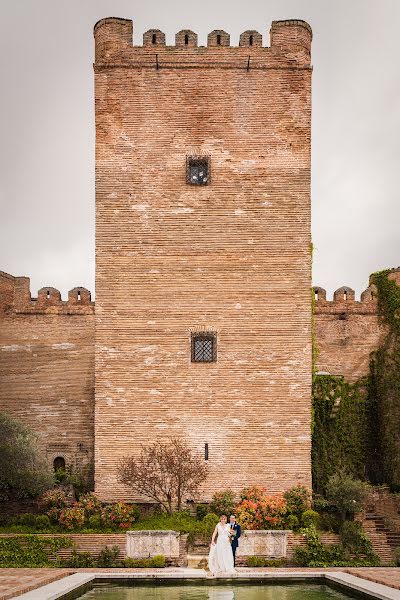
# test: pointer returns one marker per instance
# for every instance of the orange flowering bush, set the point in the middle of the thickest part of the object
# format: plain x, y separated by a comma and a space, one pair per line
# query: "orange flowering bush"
72, 518
90, 504
119, 515
259, 510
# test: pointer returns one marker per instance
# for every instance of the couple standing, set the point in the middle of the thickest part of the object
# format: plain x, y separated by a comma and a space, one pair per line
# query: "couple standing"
221, 558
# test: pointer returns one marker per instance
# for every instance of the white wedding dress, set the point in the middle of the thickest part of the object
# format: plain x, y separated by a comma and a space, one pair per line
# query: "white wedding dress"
220, 558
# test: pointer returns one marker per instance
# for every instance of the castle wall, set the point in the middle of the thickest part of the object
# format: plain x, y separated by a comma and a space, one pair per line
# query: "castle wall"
346, 332
232, 257
47, 366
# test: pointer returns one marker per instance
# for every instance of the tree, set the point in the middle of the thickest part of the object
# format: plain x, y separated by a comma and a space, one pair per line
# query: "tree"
23, 471
164, 472
347, 493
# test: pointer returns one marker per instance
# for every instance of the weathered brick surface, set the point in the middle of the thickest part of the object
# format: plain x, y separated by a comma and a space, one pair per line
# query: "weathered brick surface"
232, 257
47, 366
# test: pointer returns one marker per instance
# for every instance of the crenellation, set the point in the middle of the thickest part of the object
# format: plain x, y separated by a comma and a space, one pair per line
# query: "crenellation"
250, 39
154, 38
218, 38
186, 39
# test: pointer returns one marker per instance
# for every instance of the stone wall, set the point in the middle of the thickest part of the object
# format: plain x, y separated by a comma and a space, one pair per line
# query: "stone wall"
231, 257
47, 366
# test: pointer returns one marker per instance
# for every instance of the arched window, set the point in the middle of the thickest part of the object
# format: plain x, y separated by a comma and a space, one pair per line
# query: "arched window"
59, 463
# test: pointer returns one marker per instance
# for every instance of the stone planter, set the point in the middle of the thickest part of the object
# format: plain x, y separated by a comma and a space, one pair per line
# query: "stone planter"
149, 543
266, 543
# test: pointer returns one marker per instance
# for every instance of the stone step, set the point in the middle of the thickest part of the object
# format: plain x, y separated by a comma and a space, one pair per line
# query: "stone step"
197, 561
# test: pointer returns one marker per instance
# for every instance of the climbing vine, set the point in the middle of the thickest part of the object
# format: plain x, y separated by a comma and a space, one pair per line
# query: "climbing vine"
341, 423
384, 389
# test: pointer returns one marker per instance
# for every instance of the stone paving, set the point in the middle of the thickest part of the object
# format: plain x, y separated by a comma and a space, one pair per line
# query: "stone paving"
14, 582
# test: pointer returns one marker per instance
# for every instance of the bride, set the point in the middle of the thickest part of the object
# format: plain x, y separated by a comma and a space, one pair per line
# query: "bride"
220, 558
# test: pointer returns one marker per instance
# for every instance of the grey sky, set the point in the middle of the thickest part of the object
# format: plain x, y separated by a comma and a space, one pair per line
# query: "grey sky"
47, 128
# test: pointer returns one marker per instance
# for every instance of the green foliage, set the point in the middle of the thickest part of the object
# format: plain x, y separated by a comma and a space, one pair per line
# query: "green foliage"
31, 550
310, 518
298, 499
79, 560
330, 522
156, 562
317, 554
26, 519
259, 561
340, 436
385, 386
108, 557
81, 478
201, 511
223, 503
42, 522
397, 557
347, 493
292, 522
23, 470
355, 540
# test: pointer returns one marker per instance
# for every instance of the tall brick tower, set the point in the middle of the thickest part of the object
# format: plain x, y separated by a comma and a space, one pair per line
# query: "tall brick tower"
203, 268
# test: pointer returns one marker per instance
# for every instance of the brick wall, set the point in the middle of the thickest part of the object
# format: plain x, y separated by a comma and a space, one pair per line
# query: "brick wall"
232, 257
47, 366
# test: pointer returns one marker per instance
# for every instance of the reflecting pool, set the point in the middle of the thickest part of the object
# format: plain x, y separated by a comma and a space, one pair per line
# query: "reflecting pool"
219, 592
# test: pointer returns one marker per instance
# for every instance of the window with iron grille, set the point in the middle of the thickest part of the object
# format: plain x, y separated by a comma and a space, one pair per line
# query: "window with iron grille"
204, 347
198, 170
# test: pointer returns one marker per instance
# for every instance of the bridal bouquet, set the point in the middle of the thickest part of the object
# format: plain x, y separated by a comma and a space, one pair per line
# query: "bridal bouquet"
232, 534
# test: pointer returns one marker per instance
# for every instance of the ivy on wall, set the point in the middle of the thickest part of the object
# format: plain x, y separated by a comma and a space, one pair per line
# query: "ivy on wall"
357, 425
341, 422
384, 388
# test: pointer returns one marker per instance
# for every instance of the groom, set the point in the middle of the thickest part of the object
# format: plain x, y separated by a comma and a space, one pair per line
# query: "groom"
235, 538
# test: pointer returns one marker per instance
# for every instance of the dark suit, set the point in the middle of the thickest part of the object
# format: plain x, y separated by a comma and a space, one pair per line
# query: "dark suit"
235, 540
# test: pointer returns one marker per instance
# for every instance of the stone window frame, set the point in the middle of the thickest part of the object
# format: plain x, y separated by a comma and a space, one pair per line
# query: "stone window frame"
198, 157
195, 335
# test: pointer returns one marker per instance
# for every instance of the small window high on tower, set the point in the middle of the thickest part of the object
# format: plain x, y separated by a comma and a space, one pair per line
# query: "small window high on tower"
204, 347
198, 170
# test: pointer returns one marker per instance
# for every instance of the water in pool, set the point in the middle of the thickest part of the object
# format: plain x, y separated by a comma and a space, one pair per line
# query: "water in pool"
203, 592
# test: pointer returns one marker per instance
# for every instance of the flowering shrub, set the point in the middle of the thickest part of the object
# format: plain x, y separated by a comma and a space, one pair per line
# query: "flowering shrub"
53, 502
223, 503
90, 504
118, 515
258, 510
73, 517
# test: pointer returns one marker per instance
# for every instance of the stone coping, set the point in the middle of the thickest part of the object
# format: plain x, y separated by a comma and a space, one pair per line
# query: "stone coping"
82, 579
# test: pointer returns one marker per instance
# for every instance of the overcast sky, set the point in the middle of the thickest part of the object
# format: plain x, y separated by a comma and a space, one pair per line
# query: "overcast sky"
47, 128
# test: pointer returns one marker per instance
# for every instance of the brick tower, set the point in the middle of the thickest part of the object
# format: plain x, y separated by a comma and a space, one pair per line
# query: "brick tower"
203, 267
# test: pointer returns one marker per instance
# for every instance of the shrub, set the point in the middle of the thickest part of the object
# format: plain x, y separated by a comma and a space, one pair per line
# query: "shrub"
79, 560
72, 518
31, 550
310, 517
347, 493
397, 556
23, 469
298, 500
156, 562
201, 511
118, 515
209, 522
259, 561
108, 557
356, 541
315, 553
330, 522
257, 510
223, 503
27, 519
42, 522
53, 502
95, 522
292, 522
90, 504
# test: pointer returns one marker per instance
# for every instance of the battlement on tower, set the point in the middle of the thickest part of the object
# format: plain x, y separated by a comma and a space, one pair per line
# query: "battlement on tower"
344, 301
290, 47
15, 297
